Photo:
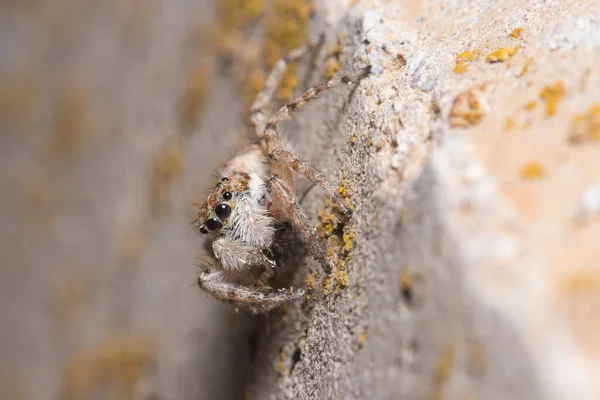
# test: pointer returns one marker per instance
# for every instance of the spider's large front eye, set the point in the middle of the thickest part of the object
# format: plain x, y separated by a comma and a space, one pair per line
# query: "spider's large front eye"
223, 210
227, 196
213, 224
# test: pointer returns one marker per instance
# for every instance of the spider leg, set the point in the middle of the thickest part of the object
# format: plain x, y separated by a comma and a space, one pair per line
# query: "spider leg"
286, 158
272, 83
288, 110
216, 283
286, 200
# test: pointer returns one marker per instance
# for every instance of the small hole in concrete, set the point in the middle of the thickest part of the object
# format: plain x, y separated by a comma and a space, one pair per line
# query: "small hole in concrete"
408, 295
297, 356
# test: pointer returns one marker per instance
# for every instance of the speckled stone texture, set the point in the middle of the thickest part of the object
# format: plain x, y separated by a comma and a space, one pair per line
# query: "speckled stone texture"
474, 269
473, 275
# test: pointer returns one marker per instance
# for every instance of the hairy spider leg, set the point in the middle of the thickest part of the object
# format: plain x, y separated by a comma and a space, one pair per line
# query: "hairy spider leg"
216, 283
284, 159
284, 198
274, 80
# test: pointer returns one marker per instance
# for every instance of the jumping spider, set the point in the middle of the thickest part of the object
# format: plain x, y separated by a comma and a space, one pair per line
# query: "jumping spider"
256, 192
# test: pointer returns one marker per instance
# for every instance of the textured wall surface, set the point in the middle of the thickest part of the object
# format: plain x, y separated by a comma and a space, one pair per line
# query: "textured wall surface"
471, 155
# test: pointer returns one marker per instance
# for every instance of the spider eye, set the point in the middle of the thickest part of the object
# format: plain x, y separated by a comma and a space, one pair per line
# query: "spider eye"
213, 224
203, 230
223, 210
227, 196
224, 179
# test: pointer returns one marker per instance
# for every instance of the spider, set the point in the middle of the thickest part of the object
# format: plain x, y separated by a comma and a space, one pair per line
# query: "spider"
256, 193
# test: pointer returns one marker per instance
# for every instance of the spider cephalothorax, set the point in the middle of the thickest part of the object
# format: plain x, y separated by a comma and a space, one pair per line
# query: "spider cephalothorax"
256, 192
217, 209
225, 199
238, 206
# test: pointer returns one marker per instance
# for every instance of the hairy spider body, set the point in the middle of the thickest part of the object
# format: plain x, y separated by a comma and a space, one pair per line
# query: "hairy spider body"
256, 192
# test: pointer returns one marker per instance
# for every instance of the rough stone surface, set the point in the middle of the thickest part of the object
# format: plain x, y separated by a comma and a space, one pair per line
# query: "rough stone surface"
474, 272
475, 280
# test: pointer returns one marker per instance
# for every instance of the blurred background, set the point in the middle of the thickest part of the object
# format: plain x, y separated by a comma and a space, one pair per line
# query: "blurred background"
113, 119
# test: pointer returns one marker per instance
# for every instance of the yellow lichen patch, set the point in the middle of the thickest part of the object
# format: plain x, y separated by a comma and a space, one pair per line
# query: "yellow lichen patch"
344, 191
353, 138
113, 369
362, 339
516, 33
330, 217
327, 286
282, 364
464, 59
531, 105
192, 102
328, 221
526, 66
331, 68
332, 65
461, 67
341, 278
167, 167
509, 124
251, 9
552, 95
311, 280
72, 122
586, 126
233, 17
340, 241
533, 170
580, 283
407, 280
501, 54
348, 242
333, 247
289, 83
466, 110
443, 371
466, 56
286, 29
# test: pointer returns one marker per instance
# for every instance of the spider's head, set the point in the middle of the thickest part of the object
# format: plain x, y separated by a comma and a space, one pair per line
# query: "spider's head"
214, 213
